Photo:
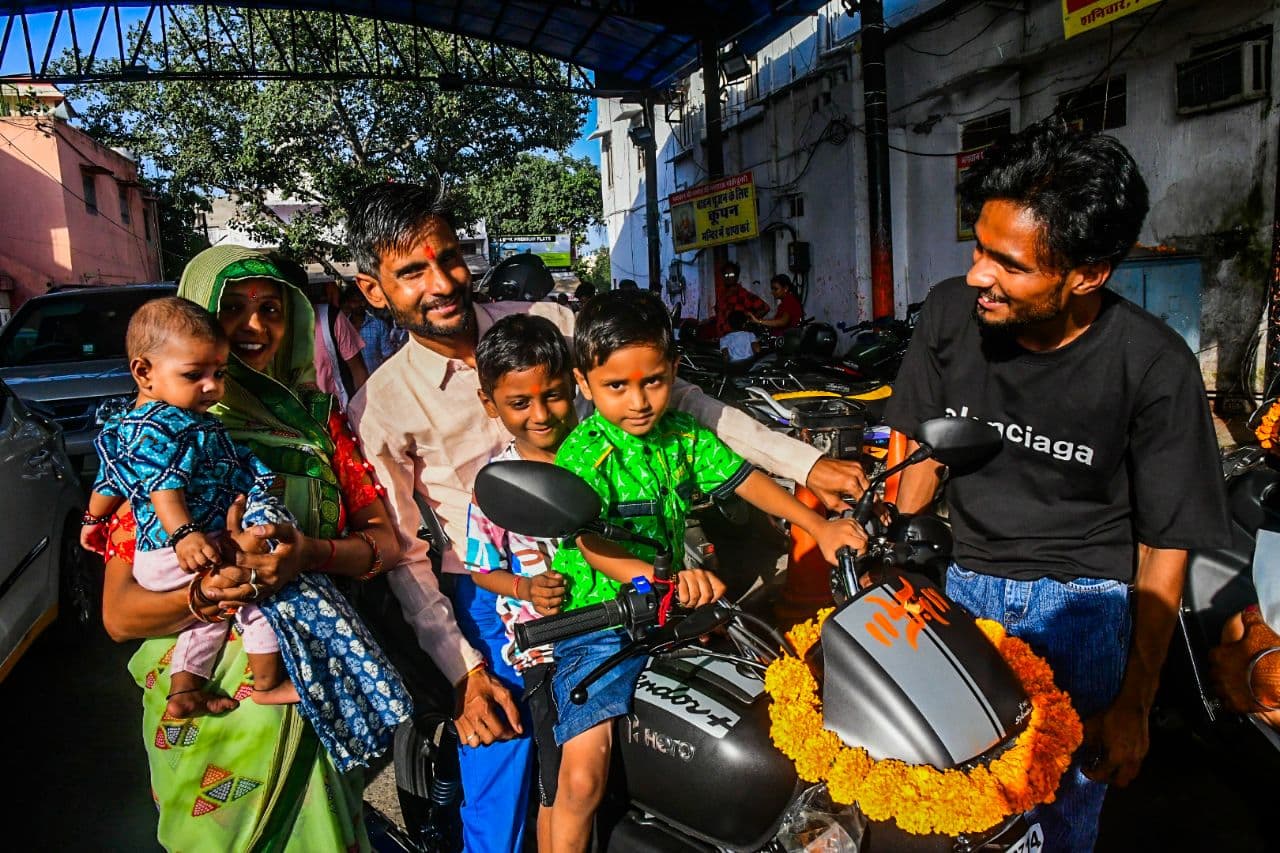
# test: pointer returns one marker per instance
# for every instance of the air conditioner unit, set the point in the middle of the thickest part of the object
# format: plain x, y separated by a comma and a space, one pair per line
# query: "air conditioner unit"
1223, 78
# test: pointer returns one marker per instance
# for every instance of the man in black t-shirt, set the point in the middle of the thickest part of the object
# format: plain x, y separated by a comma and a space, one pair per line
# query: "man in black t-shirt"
1108, 474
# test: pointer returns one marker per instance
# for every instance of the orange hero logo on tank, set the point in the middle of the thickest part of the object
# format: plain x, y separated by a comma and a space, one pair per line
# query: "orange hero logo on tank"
909, 608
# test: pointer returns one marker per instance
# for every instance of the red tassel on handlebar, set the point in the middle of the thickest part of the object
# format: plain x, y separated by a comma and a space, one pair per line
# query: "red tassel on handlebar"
667, 600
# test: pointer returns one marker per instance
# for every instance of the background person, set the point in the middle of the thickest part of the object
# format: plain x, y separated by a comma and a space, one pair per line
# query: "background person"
340, 369
284, 790
739, 346
732, 296
380, 340
789, 312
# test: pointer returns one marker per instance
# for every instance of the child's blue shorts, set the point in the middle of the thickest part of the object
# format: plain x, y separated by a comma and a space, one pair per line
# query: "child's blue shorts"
609, 697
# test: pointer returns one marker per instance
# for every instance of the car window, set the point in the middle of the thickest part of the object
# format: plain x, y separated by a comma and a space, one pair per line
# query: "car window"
89, 328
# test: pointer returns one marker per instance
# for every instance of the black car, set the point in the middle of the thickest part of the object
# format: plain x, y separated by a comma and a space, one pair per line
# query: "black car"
64, 351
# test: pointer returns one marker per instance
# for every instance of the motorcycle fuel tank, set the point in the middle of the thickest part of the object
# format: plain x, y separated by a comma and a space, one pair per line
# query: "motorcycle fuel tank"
907, 674
696, 753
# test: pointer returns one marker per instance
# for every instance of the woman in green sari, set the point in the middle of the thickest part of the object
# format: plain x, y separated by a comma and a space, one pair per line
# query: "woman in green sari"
256, 778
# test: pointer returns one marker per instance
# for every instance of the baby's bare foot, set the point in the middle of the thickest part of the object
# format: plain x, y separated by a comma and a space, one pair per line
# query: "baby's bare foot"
283, 693
198, 703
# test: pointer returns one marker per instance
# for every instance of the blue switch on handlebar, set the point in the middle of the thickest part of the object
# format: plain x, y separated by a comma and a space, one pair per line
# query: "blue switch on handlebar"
641, 584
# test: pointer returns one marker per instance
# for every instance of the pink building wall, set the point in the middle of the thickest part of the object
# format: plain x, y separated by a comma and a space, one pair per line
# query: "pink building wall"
48, 235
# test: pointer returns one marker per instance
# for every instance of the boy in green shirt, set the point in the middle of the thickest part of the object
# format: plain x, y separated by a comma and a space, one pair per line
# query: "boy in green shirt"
645, 463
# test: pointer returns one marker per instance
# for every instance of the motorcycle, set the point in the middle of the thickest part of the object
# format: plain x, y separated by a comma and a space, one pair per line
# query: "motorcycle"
877, 347
701, 715
1219, 584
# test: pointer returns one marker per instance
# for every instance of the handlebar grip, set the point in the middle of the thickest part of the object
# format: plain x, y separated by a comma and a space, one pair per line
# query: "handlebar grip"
847, 570
575, 623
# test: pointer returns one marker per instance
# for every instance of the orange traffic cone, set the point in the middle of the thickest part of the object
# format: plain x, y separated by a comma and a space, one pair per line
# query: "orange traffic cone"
808, 584
807, 588
897, 452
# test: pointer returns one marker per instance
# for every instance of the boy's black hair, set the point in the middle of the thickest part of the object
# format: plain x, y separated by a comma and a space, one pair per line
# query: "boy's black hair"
519, 342
737, 320
1084, 190
617, 319
392, 217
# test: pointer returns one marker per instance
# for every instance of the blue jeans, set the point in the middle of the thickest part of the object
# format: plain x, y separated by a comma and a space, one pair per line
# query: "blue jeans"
1082, 628
496, 779
611, 696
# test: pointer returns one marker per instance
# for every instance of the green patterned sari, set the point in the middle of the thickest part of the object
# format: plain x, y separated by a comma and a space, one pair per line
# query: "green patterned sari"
255, 778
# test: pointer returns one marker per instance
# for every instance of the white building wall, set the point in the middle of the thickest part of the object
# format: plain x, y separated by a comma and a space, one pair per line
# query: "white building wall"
794, 124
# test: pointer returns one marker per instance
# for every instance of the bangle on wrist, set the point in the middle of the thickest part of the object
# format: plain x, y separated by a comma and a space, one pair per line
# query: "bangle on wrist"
87, 520
196, 599
515, 588
375, 565
1248, 678
182, 532
475, 670
328, 563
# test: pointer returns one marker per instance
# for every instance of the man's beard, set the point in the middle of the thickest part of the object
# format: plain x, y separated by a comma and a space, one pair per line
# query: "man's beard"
1023, 317
416, 323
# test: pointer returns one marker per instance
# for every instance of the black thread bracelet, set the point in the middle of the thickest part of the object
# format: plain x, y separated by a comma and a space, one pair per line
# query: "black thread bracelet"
182, 532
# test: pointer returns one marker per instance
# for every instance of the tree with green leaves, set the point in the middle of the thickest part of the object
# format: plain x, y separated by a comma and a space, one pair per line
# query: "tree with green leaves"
540, 195
316, 142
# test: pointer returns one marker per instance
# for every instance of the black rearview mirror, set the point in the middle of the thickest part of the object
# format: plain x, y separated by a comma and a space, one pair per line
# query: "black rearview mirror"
960, 442
535, 498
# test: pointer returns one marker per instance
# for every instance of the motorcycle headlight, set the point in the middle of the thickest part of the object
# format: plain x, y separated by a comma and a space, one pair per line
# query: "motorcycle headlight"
112, 406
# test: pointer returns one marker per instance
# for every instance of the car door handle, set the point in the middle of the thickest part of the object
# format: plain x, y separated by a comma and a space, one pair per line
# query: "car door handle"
40, 457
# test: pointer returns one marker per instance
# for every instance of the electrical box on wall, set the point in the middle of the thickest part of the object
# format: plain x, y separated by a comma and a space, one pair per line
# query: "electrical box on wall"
798, 257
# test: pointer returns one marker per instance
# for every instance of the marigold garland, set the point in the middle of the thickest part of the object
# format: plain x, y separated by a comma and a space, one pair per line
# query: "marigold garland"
919, 798
1268, 431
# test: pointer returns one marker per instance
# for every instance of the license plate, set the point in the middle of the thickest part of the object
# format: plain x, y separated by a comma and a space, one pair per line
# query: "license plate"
1032, 841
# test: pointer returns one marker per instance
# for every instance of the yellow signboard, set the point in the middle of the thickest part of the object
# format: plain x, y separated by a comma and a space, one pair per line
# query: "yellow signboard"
1080, 16
723, 211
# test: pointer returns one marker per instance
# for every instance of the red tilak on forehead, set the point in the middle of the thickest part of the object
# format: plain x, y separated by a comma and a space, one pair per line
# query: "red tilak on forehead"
431, 253
253, 291
537, 390
636, 375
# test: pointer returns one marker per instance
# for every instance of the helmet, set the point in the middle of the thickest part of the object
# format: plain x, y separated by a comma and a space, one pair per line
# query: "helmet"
815, 340
521, 277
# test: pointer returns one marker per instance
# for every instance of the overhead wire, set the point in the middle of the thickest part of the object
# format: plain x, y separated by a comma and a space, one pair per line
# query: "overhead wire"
1022, 95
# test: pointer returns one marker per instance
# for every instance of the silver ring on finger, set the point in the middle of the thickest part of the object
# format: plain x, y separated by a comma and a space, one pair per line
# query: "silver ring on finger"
257, 591
253, 577
473, 738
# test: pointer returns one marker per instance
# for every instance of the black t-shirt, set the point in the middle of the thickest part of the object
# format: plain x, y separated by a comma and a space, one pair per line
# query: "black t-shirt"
1106, 440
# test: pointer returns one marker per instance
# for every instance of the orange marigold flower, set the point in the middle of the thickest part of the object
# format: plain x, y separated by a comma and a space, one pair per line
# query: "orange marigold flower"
924, 799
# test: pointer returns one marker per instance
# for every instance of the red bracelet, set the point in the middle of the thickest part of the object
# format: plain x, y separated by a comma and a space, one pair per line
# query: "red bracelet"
333, 550
515, 589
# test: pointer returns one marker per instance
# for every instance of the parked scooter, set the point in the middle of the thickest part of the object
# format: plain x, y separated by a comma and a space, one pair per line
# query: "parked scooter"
701, 714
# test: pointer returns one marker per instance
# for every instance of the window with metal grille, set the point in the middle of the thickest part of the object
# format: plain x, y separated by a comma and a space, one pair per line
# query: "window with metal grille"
1225, 73
984, 130
1102, 106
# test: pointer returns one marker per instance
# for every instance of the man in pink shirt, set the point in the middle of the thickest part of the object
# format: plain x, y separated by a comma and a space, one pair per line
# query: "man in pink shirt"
338, 345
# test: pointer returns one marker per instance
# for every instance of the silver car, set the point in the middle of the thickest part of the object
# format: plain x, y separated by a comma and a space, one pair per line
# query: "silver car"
44, 574
65, 350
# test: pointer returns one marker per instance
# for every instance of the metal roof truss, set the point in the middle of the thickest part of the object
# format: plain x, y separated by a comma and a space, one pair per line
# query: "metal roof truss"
217, 42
